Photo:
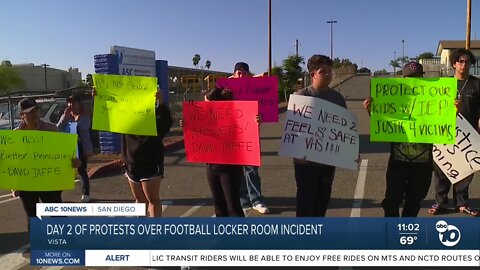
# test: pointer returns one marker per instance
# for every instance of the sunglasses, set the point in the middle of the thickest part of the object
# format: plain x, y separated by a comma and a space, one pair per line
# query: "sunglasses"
463, 61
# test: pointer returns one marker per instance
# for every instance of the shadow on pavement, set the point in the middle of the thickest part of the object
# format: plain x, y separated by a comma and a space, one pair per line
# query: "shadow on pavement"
15, 240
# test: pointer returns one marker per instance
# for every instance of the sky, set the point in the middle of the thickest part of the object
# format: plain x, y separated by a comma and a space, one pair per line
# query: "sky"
69, 33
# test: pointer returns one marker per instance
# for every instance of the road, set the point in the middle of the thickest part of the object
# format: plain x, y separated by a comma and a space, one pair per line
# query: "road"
185, 191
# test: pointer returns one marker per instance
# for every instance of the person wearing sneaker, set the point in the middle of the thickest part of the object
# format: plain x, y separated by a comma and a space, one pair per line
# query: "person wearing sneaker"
251, 191
74, 120
469, 95
251, 188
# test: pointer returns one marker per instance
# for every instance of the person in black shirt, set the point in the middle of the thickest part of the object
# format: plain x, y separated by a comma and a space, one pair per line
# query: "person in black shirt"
469, 95
143, 158
409, 170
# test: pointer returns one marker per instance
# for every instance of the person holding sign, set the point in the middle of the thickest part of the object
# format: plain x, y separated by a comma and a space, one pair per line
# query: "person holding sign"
30, 116
225, 180
469, 95
251, 188
410, 166
314, 180
143, 158
75, 121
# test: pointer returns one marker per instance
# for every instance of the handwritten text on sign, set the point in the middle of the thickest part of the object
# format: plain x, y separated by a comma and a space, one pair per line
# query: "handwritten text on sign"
37, 160
418, 110
221, 132
125, 104
262, 89
320, 131
463, 158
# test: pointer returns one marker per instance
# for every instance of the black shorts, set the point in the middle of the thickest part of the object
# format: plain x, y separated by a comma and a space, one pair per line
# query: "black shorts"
143, 173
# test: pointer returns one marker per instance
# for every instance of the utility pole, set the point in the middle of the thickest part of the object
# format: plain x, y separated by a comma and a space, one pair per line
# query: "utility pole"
403, 51
45, 76
331, 22
469, 19
269, 37
296, 44
395, 60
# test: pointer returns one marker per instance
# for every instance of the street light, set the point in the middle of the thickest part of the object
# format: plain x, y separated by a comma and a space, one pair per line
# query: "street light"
45, 69
331, 37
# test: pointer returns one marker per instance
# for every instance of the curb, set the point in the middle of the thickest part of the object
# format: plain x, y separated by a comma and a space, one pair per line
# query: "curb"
170, 143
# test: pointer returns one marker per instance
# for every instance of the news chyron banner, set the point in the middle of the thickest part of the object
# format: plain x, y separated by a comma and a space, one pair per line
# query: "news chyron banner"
272, 242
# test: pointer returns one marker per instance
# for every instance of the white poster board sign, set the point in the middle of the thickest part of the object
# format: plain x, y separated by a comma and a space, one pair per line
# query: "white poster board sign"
463, 158
320, 131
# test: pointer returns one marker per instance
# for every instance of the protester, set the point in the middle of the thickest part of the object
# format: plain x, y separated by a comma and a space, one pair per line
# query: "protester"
314, 180
30, 117
74, 117
225, 179
469, 95
251, 188
409, 170
143, 158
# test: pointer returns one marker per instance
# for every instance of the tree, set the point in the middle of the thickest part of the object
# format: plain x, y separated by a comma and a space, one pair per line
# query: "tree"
282, 89
9, 79
292, 70
208, 64
196, 59
364, 70
395, 64
89, 80
425, 55
380, 72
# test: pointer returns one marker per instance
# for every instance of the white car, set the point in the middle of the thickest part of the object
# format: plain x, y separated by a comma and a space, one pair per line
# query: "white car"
50, 108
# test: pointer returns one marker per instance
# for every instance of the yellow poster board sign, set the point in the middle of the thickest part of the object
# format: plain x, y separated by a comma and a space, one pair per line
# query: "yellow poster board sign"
417, 110
125, 104
37, 160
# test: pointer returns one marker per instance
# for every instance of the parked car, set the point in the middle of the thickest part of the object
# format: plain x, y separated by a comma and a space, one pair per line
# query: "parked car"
51, 110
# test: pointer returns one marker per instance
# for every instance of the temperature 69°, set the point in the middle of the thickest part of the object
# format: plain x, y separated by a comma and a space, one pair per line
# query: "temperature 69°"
408, 240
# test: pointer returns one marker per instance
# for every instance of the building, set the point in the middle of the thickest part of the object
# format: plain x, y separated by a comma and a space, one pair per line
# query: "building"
41, 79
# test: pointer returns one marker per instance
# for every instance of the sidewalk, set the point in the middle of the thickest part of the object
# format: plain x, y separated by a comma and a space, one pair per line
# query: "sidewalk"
100, 165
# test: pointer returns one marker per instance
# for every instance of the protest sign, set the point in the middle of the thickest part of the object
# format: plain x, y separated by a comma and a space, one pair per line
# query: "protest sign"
221, 132
125, 104
417, 110
37, 160
320, 131
461, 159
262, 89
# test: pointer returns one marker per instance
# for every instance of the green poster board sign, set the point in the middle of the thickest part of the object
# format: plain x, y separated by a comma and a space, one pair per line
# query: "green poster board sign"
37, 160
417, 110
125, 104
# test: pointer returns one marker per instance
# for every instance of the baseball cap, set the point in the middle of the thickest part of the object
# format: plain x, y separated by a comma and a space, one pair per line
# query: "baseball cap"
241, 66
26, 105
73, 98
412, 69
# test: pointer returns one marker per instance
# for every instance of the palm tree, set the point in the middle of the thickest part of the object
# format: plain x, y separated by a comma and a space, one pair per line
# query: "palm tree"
196, 59
208, 64
395, 64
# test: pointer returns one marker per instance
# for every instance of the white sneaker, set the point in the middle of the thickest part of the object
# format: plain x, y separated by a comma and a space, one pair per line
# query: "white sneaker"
261, 208
85, 199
